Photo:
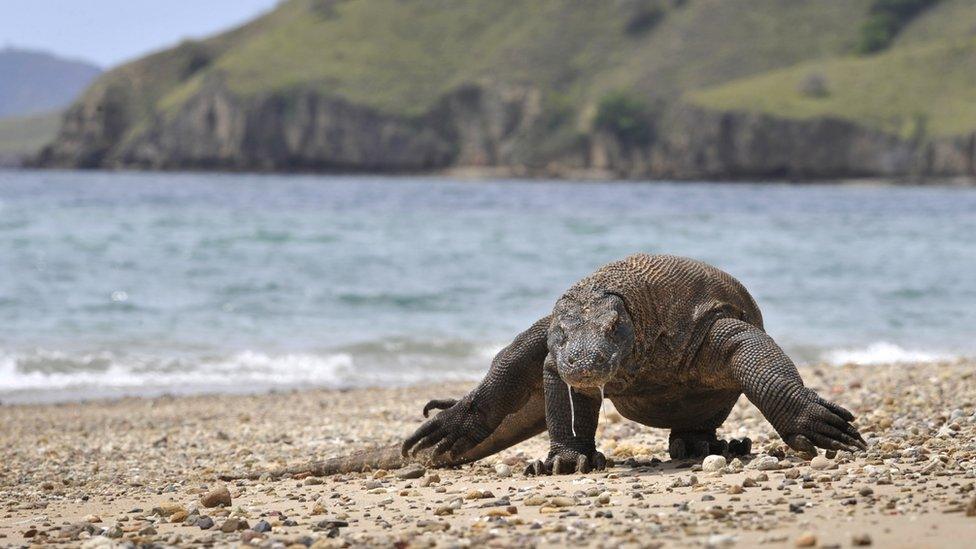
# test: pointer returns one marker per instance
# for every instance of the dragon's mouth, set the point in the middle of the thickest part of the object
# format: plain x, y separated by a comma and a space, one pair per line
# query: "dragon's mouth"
587, 375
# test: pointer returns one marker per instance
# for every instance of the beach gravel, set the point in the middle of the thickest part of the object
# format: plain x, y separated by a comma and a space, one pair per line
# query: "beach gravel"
143, 472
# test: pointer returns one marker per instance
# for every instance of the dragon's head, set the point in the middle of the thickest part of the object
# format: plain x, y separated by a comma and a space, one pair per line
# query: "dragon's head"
590, 335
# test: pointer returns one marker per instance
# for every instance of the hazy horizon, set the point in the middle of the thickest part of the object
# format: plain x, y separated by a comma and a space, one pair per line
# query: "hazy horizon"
108, 33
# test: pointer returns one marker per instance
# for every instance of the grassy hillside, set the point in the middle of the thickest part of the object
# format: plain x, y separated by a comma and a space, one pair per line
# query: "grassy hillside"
26, 135
924, 83
401, 56
411, 84
928, 88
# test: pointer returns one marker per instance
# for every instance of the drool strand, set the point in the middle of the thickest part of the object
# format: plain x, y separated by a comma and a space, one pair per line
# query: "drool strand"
572, 410
603, 409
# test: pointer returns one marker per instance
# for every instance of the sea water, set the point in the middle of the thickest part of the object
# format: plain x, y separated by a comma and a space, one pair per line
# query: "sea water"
149, 283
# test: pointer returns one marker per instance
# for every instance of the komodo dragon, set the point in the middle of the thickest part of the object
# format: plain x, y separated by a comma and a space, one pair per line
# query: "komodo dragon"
671, 341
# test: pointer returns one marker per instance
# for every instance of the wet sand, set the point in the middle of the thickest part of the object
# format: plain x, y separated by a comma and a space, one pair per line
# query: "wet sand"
135, 470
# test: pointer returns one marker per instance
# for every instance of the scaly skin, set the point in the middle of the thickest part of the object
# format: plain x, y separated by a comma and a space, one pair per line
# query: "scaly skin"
672, 342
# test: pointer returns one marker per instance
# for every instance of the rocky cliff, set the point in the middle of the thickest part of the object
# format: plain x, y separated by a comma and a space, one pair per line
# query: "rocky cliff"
557, 88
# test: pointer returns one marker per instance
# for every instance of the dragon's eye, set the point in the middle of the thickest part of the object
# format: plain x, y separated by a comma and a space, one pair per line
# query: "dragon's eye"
570, 322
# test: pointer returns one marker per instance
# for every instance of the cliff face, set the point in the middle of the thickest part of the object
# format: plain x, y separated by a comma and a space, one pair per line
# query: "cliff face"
696, 143
298, 130
474, 127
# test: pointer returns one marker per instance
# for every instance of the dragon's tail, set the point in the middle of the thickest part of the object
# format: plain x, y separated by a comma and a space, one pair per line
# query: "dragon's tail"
388, 457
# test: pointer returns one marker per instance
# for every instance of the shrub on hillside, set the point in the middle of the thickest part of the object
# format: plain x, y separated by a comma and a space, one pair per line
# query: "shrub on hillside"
886, 18
626, 116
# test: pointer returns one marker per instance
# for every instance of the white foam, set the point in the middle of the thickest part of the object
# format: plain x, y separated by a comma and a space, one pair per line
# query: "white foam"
883, 352
90, 370
46, 375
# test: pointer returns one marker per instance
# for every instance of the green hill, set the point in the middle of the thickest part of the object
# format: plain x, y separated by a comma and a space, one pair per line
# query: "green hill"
24, 136
529, 86
908, 90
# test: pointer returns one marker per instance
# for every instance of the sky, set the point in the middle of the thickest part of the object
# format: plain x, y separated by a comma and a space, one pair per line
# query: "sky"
108, 32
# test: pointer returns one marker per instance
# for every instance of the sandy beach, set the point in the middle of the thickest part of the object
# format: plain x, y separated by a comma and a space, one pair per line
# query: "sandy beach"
136, 471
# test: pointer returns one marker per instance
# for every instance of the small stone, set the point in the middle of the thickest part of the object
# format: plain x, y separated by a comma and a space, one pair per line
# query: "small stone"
250, 535
178, 516
430, 479
499, 512
114, 533
749, 482
714, 464
603, 498
94, 519
736, 489
167, 509
410, 472
230, 525
720, 540
147, 531
503, 470
205, 523
444, 510
861, 540
865, 491
562, 501
735, 466
765, 463
217, 496
534, 500
262, 526
820, 463
806, 539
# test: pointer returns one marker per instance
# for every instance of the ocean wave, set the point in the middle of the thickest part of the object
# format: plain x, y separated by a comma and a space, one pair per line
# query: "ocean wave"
883, 352
47, 370
50, 375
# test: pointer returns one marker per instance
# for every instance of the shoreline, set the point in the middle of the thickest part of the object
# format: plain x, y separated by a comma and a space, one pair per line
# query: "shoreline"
479, 174
72, 470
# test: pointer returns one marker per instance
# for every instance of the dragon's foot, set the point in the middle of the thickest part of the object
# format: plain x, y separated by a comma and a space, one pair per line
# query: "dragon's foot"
566, 461
692, 445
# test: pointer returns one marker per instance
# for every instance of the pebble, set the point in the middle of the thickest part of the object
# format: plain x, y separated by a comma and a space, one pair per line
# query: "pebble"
562, 501
217, 496
411, 471
765, 463
232, 525
720, 540
714, 464
820, 463
806, 539
262, 526
503, 470
861, 540
205, 523
249, 536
